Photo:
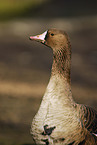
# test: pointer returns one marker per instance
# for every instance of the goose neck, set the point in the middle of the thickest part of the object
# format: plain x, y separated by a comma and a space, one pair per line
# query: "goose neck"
62, 63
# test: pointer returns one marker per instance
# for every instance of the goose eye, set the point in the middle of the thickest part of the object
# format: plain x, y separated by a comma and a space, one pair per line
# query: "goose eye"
52, 34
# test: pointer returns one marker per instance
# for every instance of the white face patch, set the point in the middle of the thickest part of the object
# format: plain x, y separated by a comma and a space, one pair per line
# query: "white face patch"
94, 134
39, 37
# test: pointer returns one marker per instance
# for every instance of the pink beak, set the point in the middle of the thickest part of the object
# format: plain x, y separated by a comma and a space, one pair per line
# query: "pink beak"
40, 37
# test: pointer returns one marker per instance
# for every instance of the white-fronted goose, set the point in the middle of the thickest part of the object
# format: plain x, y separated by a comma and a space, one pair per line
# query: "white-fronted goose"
59, 120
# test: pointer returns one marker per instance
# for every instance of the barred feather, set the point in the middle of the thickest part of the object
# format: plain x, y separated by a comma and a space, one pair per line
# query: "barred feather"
90, 119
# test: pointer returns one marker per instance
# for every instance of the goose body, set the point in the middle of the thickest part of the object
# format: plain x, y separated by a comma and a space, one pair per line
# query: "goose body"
60, 120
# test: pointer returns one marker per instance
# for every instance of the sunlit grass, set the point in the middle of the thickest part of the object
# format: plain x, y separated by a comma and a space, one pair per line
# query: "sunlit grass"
21, 89
9, 8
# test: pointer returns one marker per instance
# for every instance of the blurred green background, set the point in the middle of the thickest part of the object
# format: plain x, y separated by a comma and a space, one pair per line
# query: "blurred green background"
25, 65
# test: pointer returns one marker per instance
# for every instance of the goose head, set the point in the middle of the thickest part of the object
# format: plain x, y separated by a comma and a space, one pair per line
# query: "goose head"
56, 39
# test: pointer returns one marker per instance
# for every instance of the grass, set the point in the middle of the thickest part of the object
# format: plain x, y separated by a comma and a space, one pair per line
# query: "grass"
15, 119
12, 8
12, 134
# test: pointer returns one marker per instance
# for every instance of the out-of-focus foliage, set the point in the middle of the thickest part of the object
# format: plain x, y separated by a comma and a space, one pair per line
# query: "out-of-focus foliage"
12, 8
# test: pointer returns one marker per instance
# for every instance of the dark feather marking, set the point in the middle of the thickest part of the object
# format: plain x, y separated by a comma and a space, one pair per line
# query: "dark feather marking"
47, 130
46, 141
82, 142
91, 117
71, 143
62, 139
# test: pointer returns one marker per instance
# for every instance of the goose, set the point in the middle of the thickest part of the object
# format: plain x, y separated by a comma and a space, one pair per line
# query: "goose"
60, 120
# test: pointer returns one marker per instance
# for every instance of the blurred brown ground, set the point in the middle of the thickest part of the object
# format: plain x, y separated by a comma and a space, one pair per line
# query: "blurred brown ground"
25, 70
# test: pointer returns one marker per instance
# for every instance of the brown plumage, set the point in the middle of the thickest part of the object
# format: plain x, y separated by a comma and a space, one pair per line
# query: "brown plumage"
59, 120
